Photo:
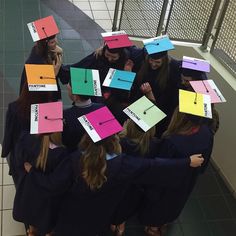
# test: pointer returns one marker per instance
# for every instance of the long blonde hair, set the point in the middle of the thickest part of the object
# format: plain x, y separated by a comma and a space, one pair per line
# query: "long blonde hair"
182, 123
93, 159
54, 138
138, 136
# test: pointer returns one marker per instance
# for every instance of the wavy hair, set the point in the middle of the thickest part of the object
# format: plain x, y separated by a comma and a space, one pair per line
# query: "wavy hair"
93, 159
138, 136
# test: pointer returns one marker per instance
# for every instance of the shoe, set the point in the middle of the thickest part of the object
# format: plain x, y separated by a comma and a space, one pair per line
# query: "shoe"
118, 230
152, 231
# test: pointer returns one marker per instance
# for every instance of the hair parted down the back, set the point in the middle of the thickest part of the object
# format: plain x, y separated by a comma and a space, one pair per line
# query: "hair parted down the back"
93, 160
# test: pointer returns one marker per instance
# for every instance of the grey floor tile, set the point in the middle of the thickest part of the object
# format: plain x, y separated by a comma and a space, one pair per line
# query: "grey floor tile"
231, 202
13, 45
196, 229
223, 228
72, 45
174, 230
70, 34
192, 212
207, 185
13, 70
221, 183
214, 207
16, 57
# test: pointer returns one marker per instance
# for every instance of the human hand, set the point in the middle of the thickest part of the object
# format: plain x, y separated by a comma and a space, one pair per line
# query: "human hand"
196, 160
27, 167
57, 50
145, 88
57, 63
98, 52
129, 65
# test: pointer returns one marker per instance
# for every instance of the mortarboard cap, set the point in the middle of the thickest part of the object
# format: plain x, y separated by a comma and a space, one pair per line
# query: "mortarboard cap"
41, 77
119, 79
208, 87
157, 47
85, 82
144, 113
100, 124
195, 103
43, 28
195, 67
46, 118
116, 39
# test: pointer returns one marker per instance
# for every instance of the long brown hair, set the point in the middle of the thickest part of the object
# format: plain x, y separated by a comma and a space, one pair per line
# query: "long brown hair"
41, 48
182, 123
138, 136
162, 77
54, 138
93, 160
27, 98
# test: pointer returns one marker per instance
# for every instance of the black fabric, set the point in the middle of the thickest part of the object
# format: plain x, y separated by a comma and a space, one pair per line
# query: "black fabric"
32, 204
163, 205
14, 126
73, 130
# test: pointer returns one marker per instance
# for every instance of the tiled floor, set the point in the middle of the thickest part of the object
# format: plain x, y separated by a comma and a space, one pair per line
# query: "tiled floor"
211, 210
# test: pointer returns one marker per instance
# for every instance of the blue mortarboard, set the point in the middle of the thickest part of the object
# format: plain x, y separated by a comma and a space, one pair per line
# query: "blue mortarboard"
158, 47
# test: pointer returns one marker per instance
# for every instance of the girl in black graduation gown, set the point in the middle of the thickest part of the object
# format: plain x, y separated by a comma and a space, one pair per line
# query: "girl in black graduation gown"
185, 135
135, 142
103, 60
162, 75
102, 177
18, 120
46, 51
32, 205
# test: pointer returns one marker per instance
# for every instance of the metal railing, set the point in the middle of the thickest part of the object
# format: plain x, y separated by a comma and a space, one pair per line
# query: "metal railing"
211, 23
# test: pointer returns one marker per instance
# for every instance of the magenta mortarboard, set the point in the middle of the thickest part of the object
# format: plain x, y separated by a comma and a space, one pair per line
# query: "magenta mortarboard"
100, 124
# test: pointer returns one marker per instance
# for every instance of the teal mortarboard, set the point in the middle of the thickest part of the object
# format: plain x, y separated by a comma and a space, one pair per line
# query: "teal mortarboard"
119, 79
85, 82
157, 47
144, 113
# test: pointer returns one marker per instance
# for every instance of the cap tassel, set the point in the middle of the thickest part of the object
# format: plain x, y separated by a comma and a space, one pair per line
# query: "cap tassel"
101, 123
44, 32
145, 111
46, 77
124, 80
205, 86
46, 118
195, 100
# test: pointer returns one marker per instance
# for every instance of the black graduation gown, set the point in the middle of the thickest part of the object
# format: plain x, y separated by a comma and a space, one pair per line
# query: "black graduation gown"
166, 99
32, 204
73, 130
34, 58
14, 125
163, 205
133, 197
86, 213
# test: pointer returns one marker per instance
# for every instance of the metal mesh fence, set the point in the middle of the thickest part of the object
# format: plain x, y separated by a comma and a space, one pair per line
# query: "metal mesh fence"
225, 46
188, 19
141, 17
